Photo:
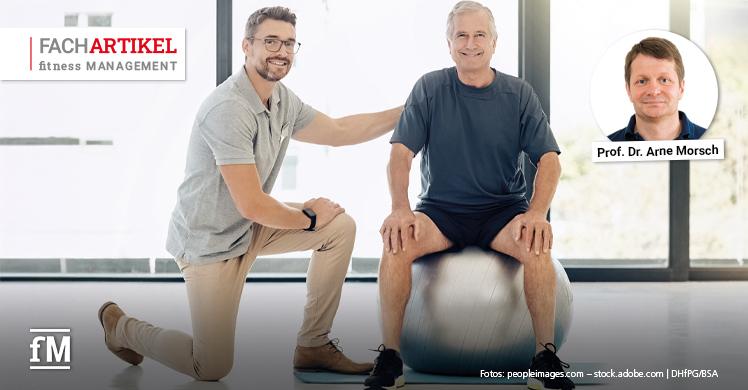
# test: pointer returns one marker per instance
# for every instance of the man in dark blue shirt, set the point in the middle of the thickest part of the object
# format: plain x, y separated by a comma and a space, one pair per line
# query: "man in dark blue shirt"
472, 126
688, 130
654, 82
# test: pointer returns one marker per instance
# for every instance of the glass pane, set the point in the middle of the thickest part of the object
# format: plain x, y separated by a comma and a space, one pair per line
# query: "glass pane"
71, 20
99, 20
349, 64
719, 202
110, 193
611, 214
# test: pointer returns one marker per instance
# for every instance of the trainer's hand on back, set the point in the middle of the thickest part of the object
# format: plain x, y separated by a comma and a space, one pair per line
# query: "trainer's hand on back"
325, 209
533, 232
398, 229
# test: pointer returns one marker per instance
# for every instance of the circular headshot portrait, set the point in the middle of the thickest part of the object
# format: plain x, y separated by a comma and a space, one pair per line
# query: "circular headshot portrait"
654, 85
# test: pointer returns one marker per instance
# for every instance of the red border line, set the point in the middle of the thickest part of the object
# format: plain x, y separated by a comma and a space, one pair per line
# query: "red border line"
30, 58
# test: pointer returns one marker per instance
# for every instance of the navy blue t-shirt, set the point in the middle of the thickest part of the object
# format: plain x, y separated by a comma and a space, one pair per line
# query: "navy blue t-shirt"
471, 139
688, 130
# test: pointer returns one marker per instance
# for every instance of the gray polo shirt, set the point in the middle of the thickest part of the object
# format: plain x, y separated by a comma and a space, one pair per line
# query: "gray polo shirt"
232, 127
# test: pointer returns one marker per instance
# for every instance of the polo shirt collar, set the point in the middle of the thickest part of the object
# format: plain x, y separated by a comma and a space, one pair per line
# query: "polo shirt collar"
628, 133
686, 129
247, 90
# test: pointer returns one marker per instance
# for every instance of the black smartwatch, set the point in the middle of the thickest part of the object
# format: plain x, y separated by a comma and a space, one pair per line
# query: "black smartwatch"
312, 218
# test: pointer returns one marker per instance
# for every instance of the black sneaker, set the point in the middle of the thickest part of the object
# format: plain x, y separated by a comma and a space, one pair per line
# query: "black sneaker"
388, 371
547, 361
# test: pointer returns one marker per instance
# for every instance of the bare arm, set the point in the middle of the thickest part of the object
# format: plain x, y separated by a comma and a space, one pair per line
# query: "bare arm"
395, 229
254, 204
532, 227
546, 181
349, 130
398, 175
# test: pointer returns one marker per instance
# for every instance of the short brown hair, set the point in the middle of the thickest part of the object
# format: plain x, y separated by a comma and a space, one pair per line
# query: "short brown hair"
276, 13
470, 6
659, 48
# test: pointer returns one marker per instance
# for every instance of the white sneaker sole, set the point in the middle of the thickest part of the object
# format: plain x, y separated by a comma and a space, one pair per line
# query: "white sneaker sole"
399, 384
534, 384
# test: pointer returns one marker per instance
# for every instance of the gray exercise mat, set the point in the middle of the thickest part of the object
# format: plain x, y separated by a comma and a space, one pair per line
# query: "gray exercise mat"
415, 377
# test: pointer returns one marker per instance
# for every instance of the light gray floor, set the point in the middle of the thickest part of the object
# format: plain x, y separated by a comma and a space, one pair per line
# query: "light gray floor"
643, 326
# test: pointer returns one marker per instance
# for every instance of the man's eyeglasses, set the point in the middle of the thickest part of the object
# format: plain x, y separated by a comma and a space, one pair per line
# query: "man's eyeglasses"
274, 44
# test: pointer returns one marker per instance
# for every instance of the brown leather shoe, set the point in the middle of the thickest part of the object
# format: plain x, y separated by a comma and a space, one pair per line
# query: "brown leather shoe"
328, 357
110, 313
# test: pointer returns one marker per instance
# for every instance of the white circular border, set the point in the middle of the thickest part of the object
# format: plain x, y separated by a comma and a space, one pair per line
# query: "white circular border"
610, 104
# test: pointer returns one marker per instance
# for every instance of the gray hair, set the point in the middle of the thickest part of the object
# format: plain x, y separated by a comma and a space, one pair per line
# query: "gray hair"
276, 13
470, 6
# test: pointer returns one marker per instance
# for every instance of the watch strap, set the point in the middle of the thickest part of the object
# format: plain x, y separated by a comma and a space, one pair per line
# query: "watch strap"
312, 219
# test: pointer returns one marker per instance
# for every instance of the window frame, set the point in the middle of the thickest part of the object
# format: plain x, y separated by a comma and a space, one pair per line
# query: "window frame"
534, 67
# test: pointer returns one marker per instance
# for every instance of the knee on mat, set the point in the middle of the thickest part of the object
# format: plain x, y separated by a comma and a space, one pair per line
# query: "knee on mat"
213, 371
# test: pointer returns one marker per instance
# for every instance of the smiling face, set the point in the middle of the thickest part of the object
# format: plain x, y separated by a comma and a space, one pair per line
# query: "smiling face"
654, 87
471, 44
271, 66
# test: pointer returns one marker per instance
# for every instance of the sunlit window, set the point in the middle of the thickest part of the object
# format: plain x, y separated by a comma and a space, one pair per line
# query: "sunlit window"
612, 213
719, 201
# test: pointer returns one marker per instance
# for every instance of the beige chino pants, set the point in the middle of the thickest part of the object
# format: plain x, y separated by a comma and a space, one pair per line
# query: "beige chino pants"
214, 291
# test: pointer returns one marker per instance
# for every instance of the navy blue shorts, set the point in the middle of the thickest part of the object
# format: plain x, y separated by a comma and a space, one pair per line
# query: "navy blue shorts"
476, 228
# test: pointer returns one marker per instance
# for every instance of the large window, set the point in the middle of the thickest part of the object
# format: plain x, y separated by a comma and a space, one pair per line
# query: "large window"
719, 201
89, 170
103, 181
612, 213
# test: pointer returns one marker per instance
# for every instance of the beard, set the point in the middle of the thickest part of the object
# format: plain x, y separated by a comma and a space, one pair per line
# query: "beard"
263, 69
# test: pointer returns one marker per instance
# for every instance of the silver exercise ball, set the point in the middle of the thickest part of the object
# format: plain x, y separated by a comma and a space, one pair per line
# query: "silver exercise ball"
467, 312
